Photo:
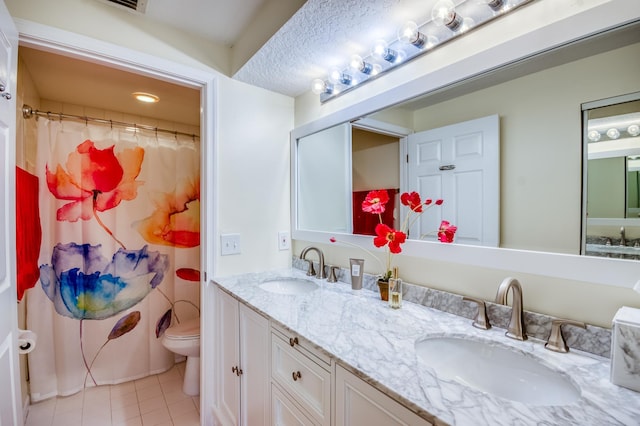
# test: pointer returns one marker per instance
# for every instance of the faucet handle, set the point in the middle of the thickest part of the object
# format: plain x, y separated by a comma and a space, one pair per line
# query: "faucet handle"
556, 341
332, 274
311, 271
481, 320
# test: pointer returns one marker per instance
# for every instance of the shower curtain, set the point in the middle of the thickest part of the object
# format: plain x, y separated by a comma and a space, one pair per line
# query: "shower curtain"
119, 259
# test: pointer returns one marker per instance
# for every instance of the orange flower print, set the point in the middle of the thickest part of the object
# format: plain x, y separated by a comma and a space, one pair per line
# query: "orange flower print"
176, 219
95, 180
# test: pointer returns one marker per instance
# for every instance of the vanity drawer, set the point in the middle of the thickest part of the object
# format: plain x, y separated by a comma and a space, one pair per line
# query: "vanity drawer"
308, 383
284, 412
302, 345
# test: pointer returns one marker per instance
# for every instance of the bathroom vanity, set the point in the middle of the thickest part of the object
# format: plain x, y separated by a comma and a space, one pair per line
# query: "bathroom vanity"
330, 357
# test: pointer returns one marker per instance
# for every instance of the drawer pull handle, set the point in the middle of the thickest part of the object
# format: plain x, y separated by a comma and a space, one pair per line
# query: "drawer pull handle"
296, 375
293, 341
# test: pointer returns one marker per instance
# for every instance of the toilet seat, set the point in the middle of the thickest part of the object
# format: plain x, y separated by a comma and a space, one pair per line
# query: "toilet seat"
186, 330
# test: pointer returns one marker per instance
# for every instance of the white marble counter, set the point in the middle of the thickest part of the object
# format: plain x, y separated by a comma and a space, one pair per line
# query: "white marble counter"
366, 336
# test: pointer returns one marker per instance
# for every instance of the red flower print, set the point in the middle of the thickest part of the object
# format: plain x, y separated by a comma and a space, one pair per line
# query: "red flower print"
95, 180
439, 202
412, 200
446, 232
375, 201
386, 235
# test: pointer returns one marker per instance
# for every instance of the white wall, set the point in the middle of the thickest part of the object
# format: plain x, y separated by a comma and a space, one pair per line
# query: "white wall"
253, 175
110, 24
577, 300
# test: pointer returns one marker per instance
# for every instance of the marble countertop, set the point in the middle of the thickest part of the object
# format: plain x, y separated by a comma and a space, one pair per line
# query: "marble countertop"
366, 336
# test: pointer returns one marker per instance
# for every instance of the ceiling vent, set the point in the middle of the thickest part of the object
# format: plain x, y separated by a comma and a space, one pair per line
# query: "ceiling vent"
139, 6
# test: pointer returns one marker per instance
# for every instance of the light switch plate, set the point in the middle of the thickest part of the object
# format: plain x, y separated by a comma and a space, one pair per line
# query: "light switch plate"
284, 241
229, 244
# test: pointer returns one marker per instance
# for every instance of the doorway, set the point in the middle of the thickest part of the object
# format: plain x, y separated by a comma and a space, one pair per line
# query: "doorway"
201, 83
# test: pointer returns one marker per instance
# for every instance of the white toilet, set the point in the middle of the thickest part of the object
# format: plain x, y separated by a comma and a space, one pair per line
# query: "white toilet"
184, 339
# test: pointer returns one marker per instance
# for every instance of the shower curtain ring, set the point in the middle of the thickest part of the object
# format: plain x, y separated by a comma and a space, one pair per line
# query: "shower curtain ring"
176, 134
49, 115
60, 117
111, 122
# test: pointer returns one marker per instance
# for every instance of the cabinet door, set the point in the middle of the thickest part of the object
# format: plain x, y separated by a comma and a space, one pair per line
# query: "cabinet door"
358, 403
284, 412
254, 362
227, 342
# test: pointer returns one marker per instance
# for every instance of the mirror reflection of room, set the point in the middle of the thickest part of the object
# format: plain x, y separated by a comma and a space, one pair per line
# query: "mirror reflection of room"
612, 139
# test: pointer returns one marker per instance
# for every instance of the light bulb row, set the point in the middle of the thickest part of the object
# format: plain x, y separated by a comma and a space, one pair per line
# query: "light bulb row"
410, 43
613, 133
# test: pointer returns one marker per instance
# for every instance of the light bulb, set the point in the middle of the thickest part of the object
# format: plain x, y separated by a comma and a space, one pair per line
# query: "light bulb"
408, 33
495, 5
357, 63
319, 86
594, 135
336, 76
444, 14
376, 69
633, 130
613, 133
381, 50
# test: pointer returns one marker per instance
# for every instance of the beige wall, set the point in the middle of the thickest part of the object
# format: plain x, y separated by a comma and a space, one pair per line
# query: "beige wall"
375, 161
541, 143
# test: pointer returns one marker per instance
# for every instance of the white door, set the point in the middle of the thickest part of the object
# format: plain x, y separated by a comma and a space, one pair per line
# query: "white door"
254, 358
10, 395
227, 360
459, 163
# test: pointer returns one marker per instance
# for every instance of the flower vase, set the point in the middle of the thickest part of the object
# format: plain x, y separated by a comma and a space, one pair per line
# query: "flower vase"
384, 289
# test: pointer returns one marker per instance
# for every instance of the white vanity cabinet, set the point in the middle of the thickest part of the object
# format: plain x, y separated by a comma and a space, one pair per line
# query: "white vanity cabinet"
359, 403
241, 364
301, 376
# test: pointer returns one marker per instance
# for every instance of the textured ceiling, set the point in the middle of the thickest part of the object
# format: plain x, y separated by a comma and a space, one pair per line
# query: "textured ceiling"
325, 33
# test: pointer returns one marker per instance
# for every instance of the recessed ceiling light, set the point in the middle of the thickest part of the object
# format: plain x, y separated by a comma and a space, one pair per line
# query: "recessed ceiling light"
146, 97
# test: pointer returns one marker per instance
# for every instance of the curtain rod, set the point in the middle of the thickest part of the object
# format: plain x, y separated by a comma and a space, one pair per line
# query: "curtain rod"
28, 112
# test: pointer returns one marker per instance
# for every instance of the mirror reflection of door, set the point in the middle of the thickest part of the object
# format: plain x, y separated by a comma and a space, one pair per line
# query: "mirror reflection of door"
459, 163
612, 181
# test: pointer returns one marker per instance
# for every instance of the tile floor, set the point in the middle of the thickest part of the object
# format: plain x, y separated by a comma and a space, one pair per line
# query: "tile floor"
153, 401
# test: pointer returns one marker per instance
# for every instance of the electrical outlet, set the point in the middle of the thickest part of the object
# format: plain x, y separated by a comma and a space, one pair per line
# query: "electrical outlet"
284, 242
229, 244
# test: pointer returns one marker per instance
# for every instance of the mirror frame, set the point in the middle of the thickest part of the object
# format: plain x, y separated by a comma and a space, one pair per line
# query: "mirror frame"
564, 32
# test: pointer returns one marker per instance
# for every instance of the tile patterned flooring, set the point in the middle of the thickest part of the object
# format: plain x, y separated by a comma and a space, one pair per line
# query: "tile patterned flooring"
152, 401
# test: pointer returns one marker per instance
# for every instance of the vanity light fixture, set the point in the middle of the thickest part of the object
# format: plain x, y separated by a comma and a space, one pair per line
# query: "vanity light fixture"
495, 5
444, 14
147, 98
613, 133
410, 34
594, 135
336, 76
448, 21
357, 63
319, 87
381, 50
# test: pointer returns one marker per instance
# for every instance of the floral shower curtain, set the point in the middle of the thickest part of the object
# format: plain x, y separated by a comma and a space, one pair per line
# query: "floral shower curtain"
119, 259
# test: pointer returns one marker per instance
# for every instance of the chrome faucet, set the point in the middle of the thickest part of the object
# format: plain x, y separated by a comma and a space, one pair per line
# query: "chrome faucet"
321, 273
516, 329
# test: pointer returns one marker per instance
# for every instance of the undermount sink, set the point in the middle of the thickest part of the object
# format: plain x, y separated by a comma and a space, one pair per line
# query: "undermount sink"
291, 286
495, 369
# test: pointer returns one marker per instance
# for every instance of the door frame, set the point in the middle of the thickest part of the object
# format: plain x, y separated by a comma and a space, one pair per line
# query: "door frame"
54, 40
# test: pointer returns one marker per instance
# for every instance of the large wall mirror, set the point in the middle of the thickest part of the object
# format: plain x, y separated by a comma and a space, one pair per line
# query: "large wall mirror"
538, 102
